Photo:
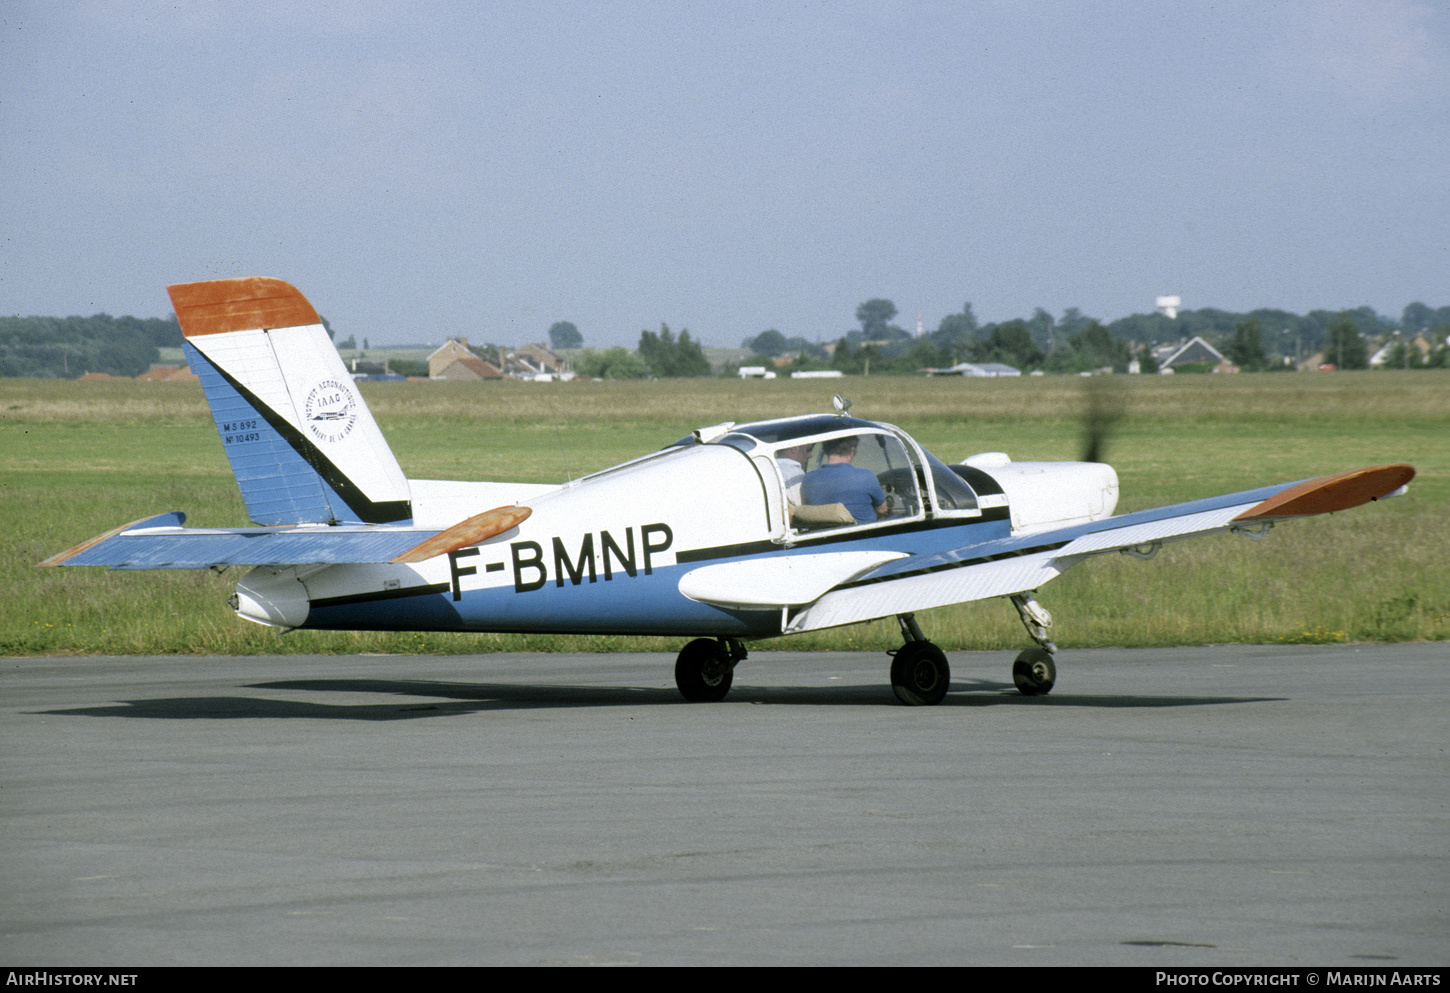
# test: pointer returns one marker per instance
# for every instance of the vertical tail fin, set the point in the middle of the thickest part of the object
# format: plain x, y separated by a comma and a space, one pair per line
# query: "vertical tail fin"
302, 443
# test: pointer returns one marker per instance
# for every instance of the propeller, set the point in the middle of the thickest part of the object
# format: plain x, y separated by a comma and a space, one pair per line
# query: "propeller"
1104, 406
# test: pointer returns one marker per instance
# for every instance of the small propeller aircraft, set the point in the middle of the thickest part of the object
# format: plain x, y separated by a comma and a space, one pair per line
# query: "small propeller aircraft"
735, 532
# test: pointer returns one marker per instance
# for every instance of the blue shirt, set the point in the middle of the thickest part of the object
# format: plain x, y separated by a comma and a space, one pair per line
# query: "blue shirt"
841, 482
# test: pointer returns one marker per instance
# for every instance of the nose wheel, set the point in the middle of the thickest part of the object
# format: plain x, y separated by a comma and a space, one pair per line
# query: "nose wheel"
1034, 672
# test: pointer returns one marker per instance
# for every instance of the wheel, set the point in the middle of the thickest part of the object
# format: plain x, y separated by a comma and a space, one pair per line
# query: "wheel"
703, 671
920, 674
1034, 672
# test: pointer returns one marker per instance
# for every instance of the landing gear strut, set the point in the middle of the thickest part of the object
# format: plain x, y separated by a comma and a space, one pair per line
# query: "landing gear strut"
705, 668
1034, 671
919, 671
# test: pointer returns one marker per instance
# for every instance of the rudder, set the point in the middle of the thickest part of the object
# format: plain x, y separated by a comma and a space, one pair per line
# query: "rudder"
302, 443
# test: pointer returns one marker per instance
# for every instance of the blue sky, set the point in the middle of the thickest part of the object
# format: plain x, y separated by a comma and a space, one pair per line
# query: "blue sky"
422, 170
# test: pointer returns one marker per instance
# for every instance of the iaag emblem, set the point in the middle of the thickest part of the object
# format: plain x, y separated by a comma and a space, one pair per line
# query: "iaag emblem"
330, 410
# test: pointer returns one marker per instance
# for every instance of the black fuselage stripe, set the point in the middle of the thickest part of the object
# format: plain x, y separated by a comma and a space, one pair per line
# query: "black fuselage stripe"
342, 601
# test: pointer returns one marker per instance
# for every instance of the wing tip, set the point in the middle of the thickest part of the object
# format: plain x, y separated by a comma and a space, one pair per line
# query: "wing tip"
1328, 494
175, 518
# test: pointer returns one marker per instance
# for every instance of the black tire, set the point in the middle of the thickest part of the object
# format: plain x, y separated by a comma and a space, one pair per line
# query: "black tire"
703, 671
1034, 672
920, 675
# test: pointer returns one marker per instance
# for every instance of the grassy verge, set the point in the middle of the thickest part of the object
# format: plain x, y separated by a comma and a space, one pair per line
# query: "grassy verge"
79, 458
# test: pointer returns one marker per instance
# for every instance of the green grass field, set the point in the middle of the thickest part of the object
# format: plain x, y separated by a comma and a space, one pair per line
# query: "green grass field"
77, 459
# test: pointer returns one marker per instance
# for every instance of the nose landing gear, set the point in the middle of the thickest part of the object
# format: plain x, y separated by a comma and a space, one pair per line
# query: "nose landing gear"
1034, 671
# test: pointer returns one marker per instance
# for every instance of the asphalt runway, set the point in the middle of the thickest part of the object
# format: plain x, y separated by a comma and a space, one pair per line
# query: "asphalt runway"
1223, 806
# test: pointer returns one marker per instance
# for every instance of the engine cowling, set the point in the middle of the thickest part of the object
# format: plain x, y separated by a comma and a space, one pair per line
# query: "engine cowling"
1043, 496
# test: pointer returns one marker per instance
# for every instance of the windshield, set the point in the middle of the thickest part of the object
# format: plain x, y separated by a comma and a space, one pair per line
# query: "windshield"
952, 492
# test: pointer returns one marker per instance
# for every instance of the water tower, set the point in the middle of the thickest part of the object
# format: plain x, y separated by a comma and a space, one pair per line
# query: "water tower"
1168, 306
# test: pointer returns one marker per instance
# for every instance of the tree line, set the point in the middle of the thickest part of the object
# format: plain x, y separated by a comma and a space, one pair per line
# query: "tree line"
1254, 341
69, 347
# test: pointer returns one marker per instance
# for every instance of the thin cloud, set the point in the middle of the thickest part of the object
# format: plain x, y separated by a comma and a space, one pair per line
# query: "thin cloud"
1369, 53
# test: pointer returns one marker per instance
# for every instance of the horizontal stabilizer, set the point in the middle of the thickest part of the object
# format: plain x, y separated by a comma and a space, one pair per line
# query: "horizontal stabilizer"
161, 543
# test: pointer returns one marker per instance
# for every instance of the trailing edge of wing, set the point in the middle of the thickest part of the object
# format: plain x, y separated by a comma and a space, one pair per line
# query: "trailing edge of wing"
161, 542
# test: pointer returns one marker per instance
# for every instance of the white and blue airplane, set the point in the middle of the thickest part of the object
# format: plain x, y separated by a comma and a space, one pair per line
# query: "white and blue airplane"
709, 538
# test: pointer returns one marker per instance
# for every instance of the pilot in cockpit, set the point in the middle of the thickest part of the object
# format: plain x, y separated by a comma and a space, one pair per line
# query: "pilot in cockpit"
838, 481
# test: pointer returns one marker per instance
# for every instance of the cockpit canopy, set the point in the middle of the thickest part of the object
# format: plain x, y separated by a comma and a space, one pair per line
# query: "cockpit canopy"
837, 472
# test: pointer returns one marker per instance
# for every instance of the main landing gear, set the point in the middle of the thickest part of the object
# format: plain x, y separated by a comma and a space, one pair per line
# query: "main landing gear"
920, 675
919, 671
705, 668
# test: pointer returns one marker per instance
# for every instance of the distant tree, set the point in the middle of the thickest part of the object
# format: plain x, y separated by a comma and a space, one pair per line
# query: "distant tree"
66, 347
956, 333
616, 363
800, 346
1152, 329
1416, 317
963, 325
669, 358
690, 357
875, 317
563, 334
1095, 347
1246, 350
1345, 347
925, 354
1072, 322
770, 342
1041, 326
1010, 343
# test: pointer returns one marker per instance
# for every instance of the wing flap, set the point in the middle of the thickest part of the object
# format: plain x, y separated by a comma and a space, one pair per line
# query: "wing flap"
778, 581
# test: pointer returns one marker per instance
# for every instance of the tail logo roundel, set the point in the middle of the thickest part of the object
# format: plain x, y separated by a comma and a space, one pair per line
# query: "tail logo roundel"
330, 410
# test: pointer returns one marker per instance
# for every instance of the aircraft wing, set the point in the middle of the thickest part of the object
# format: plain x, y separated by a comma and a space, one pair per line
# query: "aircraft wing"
161, 542
1024, 562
